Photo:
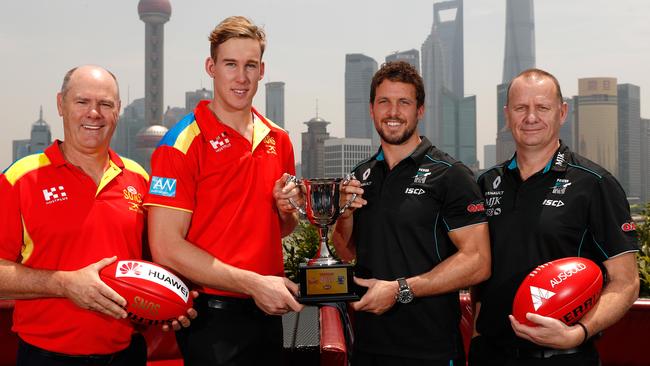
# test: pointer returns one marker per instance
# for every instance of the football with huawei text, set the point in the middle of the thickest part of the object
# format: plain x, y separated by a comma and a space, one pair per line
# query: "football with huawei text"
154, 295
564, 289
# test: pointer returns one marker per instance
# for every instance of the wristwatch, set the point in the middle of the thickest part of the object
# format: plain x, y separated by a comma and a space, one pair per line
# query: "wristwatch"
404, 293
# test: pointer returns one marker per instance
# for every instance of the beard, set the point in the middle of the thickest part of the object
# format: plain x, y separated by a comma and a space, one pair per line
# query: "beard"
396, 139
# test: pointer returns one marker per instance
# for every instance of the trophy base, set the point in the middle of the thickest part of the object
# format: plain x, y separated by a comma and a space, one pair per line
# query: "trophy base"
326, 283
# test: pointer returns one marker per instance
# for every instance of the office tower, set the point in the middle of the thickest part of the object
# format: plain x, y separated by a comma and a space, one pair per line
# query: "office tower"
359, 70
173, 115
566, 131
343, 154
130, 123
450, 117
597, 122
275, 102
629, 139
192, 98
313, 148
519, 55
40, 138
645, 160
411, 56
520, 38
489, 156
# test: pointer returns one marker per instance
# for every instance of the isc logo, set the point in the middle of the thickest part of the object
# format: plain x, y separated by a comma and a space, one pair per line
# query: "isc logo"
415, 191
553, 203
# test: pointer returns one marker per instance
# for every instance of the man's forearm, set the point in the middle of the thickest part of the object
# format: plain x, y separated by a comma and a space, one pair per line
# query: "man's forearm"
20, 282
342, 238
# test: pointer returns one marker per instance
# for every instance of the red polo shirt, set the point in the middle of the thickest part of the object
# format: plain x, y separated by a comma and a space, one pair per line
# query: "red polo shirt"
54, 217
205, 167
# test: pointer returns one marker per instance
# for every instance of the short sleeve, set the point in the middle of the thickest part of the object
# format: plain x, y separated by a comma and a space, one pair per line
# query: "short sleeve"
463, 203
173, 179
610, 220
11, 235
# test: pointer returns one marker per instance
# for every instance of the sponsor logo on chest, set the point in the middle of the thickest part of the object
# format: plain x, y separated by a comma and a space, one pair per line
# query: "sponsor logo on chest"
54, 194
221, 142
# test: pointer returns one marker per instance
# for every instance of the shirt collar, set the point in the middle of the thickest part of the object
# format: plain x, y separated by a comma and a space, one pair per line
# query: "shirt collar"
211, 127
558, 162
54, 153
417, 155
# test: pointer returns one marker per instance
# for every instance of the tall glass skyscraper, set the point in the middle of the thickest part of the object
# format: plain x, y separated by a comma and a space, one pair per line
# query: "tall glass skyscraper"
449, 116
275, 102
359, 70
629, 139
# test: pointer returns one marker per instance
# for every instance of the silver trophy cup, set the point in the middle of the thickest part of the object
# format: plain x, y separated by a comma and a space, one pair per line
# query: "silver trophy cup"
323, 278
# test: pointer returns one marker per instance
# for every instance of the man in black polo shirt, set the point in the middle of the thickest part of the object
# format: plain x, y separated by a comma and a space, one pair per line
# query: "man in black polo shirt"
418, 234
547, 203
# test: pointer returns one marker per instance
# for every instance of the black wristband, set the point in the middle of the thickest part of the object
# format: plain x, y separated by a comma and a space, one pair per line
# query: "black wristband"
586, 332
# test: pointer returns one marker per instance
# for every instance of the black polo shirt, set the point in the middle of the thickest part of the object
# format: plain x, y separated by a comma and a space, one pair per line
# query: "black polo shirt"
402, 232
572, 207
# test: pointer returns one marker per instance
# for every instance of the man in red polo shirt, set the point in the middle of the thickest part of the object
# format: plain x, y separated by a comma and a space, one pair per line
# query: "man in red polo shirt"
218, 209
65, 215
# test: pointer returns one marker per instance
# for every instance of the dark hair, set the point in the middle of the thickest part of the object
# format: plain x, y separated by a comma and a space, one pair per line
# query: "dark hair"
531, 73
398, 71
235, 27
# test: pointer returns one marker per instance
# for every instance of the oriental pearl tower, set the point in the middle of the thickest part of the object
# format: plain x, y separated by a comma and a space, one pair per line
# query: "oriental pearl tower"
154, 14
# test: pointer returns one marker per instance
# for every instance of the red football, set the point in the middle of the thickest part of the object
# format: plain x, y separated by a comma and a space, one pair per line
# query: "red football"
564, 289
153, 294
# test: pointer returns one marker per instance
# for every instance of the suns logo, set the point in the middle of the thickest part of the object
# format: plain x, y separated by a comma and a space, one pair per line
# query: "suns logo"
269, 144
134, 198
130, 268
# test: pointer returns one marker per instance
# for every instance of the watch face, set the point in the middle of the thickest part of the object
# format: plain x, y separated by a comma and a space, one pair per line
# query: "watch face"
405, 296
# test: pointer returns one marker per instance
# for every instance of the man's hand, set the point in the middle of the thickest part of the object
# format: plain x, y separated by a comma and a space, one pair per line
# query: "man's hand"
183, 320
379, 298
347, 191
86, 290
275, 295
282, 191
549, 332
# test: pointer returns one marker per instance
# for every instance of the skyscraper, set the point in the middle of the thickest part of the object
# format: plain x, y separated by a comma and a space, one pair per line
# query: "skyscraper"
313, 148
359, 70
275, 102
519, 55
566, 131
410, 56
450, 117
520, 38
342, 155
629, 139
40, 138
597, 122
645, 160
192, 98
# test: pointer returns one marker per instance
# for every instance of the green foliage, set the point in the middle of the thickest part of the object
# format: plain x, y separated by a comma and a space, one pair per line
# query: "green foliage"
299, 246
643, 257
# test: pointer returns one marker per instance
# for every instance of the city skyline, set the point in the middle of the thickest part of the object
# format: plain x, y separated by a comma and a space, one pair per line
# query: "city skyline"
305, 51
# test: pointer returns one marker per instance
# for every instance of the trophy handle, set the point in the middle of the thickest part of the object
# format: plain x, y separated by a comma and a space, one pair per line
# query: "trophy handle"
296, 181
346, 180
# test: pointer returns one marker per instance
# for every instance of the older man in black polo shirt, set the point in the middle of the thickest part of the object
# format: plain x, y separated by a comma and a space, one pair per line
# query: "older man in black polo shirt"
546, 203
418, 235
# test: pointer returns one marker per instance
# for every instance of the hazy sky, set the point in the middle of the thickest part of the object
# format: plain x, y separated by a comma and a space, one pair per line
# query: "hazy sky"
307, 42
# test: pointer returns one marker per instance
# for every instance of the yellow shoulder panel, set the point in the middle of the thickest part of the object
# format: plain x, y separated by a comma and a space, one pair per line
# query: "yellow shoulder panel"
26, 165
135, 167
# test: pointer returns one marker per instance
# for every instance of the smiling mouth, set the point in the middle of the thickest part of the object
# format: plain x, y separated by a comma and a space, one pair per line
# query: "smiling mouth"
240, 91
92, 128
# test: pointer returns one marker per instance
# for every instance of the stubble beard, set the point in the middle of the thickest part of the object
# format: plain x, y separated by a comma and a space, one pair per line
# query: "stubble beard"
396, 139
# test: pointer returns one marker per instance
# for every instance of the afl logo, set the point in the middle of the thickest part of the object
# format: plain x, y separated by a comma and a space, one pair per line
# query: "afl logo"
628, 226
130, 267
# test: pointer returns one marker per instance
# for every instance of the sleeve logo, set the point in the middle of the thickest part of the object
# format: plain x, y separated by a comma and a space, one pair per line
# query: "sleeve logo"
162, 186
